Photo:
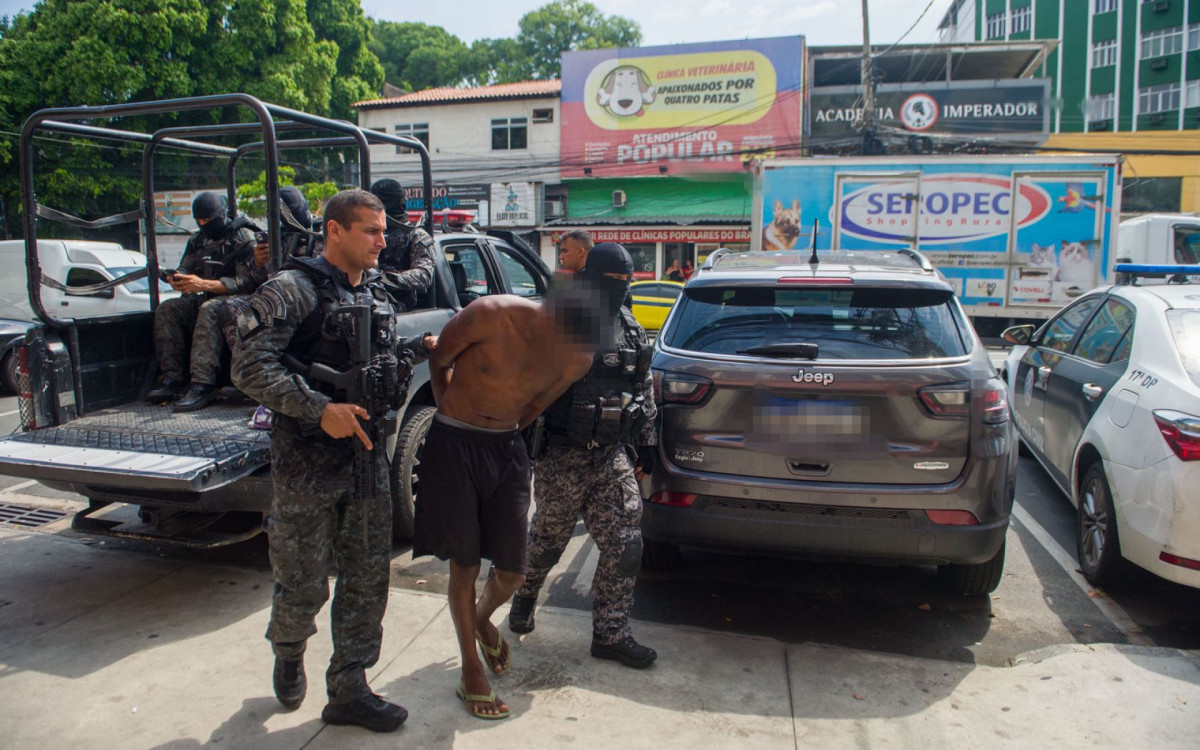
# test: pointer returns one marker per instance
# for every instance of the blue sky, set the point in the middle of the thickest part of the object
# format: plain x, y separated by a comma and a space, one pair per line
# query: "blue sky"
668, 21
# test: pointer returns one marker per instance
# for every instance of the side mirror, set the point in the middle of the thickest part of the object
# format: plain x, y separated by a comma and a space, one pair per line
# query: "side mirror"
1018, 335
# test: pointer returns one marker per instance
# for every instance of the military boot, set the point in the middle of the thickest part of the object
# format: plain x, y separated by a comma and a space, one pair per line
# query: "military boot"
198, 396
166, 390
290, 682
629, 652
520, 617
368, 711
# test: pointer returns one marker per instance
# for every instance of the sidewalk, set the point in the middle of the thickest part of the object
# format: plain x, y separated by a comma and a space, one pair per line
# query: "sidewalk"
109, 649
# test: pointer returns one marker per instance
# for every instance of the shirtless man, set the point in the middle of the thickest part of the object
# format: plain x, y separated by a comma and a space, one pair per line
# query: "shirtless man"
498, 364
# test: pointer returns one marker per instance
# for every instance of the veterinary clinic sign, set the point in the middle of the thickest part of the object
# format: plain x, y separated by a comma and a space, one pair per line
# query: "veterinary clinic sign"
697, 107
964, 109
514, 204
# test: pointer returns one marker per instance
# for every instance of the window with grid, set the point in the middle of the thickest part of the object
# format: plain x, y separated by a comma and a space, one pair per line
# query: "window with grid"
1193, 37
1022, 19
1104, 53
995, 25
1152, 99
1101, 107
510, 133
1104, 6
1192, 98
418, 130
1162, 42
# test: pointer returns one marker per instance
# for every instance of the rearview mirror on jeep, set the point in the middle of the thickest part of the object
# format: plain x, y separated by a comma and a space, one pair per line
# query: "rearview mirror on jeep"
1018, 334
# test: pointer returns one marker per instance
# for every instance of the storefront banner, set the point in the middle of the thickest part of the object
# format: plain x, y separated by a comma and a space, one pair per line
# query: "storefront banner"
703, 107
514, 204
935, 108
465, 197
673, 234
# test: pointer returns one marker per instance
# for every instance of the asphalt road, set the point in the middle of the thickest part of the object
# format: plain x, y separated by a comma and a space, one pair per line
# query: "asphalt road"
1041, 601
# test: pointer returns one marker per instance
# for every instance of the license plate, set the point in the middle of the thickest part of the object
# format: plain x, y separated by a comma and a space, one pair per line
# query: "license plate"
788, 418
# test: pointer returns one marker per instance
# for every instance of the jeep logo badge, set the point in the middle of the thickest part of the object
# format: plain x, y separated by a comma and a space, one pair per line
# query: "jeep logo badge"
821, 378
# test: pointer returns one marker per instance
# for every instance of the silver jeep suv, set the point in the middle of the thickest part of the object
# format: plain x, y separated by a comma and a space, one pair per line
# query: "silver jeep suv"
841, 409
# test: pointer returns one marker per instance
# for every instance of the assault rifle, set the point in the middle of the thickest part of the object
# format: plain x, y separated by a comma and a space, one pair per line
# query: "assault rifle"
373, 381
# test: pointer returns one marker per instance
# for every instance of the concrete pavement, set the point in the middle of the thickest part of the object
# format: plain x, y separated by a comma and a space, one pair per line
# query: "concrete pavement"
113, 649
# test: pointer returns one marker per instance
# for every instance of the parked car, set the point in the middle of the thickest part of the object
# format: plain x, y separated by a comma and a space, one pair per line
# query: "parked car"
75, 263
1106, 395
652, 300
846, 410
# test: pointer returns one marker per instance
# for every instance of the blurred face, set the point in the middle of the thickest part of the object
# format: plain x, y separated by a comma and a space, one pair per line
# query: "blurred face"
571, 254
358, 245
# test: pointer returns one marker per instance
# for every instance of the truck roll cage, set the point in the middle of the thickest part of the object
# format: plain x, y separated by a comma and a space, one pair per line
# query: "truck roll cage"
270, 120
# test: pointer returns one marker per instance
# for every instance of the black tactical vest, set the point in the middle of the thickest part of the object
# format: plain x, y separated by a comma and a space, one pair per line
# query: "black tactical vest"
397, 256
318, 339
605, 407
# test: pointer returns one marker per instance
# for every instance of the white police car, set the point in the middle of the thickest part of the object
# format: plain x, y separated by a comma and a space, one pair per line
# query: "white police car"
1106, 395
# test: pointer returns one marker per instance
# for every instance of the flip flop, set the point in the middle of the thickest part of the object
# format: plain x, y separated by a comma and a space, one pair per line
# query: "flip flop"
490, 653
468, 699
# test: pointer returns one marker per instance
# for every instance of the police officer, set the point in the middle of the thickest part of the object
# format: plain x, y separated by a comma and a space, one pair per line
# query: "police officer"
208, 339
407, 261
319, 519
589, 467
215, 262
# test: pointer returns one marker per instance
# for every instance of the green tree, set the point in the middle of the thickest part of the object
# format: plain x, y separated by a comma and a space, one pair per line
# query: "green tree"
418, 56
252, 196
494, 61
359, 75
564, 25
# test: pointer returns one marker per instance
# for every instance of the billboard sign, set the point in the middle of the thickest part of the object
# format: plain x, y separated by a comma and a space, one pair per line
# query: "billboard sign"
514, 204
946, 108
691, 107
454, 197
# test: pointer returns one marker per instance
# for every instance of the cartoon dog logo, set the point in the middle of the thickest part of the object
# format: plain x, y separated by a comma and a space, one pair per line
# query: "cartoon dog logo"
784, 229
625, 91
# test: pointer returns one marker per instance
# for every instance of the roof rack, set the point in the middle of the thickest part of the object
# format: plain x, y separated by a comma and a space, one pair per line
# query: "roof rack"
917, 257
1129, 273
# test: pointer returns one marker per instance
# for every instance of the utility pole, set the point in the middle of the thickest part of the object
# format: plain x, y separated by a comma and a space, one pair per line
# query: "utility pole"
870, 145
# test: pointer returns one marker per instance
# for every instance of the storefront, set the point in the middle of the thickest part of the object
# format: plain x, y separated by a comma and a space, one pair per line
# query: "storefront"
654, 249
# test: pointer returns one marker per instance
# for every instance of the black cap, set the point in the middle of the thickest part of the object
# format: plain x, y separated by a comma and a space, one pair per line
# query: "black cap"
294, 200
208, 205
608, 257
391, 194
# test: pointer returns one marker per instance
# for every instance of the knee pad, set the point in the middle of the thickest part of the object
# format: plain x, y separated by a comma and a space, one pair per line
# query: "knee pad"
631, 558
547, 558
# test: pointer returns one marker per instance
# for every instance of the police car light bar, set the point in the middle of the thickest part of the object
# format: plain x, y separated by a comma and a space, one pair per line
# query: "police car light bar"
1145, 269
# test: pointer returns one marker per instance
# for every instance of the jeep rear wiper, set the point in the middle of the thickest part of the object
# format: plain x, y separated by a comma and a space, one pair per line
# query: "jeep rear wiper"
799, 349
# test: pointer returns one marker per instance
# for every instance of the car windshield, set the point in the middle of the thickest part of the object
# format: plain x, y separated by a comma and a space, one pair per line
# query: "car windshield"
1185, 328
140, 286
860, 323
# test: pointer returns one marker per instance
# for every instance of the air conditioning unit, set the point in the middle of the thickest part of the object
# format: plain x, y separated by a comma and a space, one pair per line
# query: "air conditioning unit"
1159, 63
1162, 5
619, 199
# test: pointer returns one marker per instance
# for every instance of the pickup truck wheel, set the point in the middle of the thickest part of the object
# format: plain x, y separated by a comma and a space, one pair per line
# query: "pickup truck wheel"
409, 443
973, 580
8, 372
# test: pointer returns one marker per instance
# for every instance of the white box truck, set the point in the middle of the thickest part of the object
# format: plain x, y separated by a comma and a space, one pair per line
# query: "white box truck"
1018, 236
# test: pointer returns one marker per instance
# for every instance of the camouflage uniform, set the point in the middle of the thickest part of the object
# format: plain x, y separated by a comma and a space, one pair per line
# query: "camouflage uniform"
599, 484
407, 264
175, 320
316, 523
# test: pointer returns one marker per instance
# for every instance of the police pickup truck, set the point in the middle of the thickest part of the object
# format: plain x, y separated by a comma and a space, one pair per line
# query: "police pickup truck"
203, 479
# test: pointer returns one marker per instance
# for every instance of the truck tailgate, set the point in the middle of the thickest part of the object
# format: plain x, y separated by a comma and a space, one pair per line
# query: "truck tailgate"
143, 447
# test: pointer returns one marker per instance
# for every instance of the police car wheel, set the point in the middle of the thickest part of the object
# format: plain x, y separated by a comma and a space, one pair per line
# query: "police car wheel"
403, 481
1096, 529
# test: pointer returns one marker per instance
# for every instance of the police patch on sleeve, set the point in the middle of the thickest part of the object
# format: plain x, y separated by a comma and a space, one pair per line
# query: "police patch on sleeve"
267, 308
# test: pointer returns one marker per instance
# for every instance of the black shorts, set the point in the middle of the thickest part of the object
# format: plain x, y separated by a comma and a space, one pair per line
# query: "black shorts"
473, 497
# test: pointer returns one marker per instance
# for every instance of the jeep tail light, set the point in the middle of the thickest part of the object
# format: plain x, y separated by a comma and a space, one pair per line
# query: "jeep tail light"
995, 402
949, 401
952, 517
1181, 431
676, 499
683, 389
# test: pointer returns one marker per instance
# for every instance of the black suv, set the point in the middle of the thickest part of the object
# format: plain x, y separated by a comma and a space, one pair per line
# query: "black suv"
843, 409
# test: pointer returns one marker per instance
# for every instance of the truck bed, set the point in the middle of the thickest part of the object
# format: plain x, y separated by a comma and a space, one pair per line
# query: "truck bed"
142, 447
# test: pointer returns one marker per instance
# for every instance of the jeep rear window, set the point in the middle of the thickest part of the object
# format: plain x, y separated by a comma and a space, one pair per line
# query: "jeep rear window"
860, 323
